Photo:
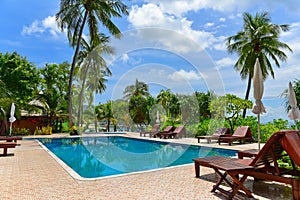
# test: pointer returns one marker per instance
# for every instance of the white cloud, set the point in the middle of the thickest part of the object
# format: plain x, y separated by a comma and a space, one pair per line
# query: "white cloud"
47, 25
124, 57
210, 24
151, 15
184, 75
33, 28
180, 7
222, 19
225, 62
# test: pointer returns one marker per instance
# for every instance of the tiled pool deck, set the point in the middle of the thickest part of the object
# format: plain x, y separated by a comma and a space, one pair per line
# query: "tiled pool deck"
30, 173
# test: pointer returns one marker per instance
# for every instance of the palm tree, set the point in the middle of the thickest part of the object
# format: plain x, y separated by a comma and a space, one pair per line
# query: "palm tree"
138, 89
75, 14
51, 103
163, 98
258, 39
105, 112
93, 67
204, 100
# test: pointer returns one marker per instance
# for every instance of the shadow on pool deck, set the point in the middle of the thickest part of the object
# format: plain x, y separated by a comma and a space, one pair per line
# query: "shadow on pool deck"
31, 173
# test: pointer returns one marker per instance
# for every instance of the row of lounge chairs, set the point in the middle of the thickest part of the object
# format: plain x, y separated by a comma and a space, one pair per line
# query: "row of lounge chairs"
263, 166
168, 132
222, 135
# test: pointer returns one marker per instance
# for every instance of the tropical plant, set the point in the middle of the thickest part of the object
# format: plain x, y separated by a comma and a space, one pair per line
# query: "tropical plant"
139, 109
105, 112
120, 111
138, 89
258, 39
163, 98
203, 102
51, 101
93, 69
229, 107
16, 69
189, 109
75, 14
173, 105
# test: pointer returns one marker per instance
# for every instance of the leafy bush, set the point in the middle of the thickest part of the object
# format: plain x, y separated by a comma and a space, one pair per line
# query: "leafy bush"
192, 130
44, 130
20, 131
269, 128
65, 127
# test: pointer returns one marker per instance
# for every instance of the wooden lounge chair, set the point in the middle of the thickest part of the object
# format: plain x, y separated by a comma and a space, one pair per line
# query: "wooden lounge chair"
155, 129
6, 145
10, 138
214, 136
166, 130
179, 132
263, 167
241, 134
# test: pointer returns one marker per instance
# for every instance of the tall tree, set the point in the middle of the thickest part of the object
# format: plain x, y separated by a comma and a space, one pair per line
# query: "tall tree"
93, 69
19, 77
258, 39
163, 98
75, 14
138, 89
204, 100
105, 112
139, 108
228, 107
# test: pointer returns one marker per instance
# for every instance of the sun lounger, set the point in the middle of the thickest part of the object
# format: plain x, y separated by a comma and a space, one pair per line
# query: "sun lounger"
166, 130
10, 138
241, 134
179, 132
6, 145
155, 129
214, 136
263, 166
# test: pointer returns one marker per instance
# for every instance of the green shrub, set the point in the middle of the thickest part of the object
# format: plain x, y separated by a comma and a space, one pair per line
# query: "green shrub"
44, 130
192, 130
20, 131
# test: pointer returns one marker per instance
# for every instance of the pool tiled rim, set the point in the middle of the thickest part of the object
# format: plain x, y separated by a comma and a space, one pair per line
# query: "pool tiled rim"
31, 173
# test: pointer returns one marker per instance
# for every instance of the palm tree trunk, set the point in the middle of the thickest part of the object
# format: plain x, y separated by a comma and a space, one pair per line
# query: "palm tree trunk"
247, 94
73, 68
96, 124
80, 106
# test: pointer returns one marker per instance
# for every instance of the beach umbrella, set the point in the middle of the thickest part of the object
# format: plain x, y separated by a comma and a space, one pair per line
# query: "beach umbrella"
258, 91
294, 112
12, 117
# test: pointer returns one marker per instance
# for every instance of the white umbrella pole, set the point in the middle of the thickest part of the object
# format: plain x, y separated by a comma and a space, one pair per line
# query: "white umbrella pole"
10, 129
258, 131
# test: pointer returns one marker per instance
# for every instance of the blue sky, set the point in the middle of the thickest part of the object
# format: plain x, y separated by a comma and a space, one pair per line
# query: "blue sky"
167, 44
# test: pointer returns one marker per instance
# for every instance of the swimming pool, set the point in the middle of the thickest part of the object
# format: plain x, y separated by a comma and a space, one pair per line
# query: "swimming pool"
94, 157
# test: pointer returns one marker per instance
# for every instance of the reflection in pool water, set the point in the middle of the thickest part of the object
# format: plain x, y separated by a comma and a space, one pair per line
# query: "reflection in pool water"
93, 157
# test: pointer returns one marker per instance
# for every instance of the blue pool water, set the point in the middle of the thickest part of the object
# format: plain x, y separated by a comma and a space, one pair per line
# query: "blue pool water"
93, 157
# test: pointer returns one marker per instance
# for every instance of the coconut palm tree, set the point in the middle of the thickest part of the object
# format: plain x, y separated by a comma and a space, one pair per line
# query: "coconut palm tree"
258, 39
105, 112
75, 14
50, 103
93, 68
163, 98
138, 89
